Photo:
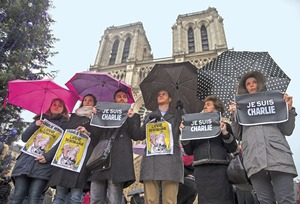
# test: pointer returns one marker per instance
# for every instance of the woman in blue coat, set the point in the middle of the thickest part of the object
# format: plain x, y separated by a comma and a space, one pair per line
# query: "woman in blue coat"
31, 174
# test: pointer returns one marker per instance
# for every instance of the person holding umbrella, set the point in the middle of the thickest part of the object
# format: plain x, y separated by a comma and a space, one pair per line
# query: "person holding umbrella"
266, 154
107, 184
31, 174
68, 182
163, 171
211, 159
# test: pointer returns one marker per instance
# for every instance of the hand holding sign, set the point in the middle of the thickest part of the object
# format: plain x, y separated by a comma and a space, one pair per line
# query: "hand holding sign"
130, 112
41, 159
38, 122
232, 107
289, 100
223, 128
82, 129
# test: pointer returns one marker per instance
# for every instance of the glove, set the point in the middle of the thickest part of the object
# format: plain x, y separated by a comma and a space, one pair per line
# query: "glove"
179, 105
155, 116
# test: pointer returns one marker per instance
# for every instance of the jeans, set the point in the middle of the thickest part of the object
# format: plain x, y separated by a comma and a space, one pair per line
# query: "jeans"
272, 186
102, 191
26, 186
67, 195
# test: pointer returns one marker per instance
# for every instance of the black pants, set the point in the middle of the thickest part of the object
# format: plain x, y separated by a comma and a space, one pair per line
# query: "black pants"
187, 192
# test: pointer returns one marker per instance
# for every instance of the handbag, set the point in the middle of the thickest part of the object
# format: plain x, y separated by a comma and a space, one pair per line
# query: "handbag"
236, 171
101, 154
237, 174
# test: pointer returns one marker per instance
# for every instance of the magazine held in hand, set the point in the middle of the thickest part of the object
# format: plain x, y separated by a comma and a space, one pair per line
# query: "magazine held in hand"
72, 150
43, 139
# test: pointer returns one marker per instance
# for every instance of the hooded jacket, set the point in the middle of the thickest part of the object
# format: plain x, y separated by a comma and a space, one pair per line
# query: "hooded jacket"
265, 146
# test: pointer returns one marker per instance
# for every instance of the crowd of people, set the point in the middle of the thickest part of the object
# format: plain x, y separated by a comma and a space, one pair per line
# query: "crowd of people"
192, 169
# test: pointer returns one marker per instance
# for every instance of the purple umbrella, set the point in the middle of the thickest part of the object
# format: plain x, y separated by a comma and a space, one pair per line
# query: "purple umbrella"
100, 84
139, 149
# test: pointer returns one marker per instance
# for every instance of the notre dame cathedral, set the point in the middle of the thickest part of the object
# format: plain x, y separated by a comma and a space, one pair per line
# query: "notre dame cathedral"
125, 53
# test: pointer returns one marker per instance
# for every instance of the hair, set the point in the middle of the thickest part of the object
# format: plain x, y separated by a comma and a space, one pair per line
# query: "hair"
165, 91
121, 90
219, 105
64, 113
94, 98
260, 78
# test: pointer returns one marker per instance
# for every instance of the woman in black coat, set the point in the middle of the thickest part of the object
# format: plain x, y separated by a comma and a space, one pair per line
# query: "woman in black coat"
210, 160
66, 181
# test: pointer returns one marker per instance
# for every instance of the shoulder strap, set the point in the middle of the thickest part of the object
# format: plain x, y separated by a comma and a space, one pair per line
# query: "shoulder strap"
113, 137
240, 135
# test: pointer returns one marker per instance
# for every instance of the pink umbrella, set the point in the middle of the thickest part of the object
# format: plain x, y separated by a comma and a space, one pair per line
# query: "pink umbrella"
36, 95
139, 149
100, 84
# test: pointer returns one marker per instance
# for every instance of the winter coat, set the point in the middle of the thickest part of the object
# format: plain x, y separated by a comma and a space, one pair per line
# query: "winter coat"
265, 146
70, 179
212, 151
27, 165
164, 167
121, 168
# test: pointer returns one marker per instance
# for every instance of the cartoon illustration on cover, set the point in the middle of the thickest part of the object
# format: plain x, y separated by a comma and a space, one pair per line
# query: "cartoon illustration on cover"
39, 144
68, 156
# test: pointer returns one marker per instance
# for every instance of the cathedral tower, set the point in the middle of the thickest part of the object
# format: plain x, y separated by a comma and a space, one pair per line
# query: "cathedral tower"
125, 53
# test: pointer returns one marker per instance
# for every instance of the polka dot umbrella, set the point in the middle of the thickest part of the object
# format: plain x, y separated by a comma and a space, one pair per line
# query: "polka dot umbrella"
220, 77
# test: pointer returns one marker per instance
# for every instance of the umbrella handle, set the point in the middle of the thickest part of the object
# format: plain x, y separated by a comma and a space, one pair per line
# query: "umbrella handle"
180, 107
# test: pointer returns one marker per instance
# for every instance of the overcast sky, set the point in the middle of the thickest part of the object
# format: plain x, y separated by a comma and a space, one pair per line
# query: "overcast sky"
256, 25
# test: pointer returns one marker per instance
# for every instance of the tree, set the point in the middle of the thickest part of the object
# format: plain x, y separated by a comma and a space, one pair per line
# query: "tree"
26, 43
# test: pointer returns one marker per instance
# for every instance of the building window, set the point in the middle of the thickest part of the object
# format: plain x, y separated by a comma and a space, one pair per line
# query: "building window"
126, 50
113, 53
204, 38
191, 41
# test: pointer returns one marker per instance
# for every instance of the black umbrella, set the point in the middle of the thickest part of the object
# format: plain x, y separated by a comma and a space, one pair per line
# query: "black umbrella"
179, 79
220, 77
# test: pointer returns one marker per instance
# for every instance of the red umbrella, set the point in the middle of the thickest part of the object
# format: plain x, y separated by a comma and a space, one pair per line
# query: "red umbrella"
101, 85
36, 95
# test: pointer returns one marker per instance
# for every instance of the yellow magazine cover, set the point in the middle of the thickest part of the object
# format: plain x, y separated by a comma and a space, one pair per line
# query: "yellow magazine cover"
72, 150
159, 138
43, 139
